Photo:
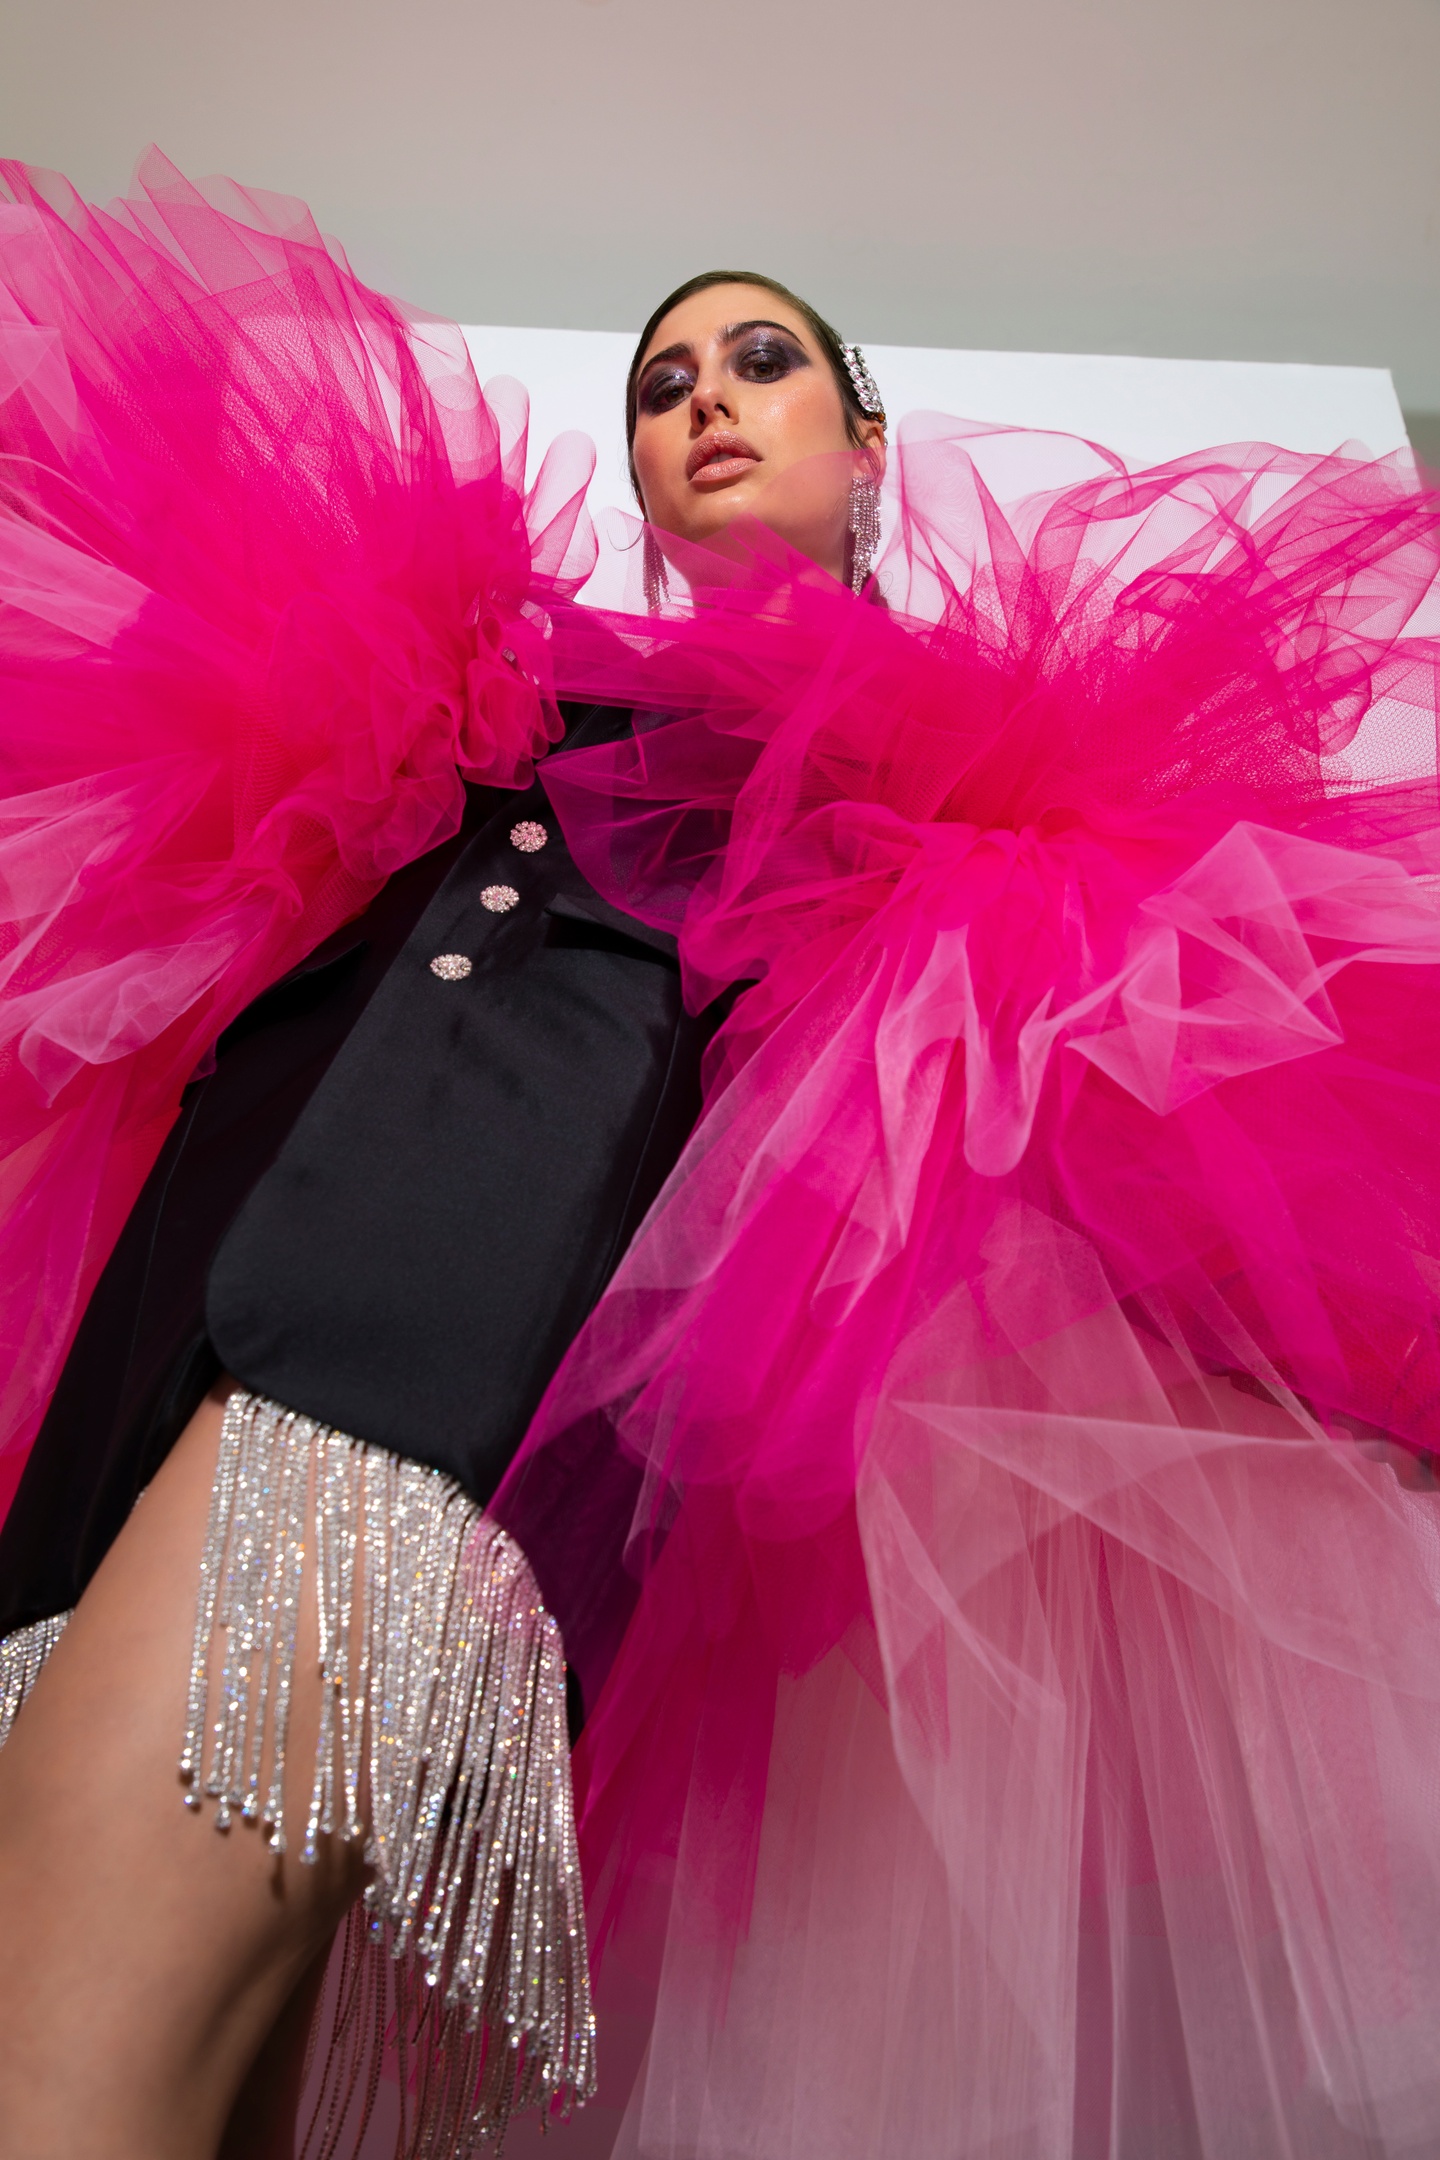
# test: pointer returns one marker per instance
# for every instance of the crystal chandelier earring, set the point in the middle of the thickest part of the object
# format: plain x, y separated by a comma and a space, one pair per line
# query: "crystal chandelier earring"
864, 525
654, 575
865, 487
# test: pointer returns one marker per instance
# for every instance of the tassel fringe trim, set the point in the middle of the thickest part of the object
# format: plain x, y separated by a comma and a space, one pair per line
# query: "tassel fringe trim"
22, 1654
442, 1745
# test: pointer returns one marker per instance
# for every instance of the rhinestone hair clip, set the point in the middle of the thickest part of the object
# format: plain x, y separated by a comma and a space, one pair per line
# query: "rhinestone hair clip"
867, 396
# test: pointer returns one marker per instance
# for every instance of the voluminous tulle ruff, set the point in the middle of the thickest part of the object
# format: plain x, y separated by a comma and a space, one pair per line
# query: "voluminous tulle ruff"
998, 1531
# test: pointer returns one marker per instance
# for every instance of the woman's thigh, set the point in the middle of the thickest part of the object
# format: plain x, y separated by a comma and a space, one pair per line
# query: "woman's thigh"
146, 1955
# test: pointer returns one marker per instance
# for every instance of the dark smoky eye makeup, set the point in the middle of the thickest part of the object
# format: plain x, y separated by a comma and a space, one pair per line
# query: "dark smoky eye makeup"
666, 384
768, 356
762, 353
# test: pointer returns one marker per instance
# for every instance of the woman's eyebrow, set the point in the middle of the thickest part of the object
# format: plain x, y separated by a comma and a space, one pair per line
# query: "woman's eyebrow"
757, 322
669, 352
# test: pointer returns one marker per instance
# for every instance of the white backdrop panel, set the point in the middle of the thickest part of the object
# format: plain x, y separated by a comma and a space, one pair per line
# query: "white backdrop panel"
1148, 410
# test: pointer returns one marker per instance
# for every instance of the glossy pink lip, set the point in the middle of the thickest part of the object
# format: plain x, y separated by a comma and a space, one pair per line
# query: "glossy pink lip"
719, 456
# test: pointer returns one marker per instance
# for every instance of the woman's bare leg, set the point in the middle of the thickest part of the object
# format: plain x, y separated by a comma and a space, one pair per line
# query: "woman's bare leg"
147, 1956
263, 2121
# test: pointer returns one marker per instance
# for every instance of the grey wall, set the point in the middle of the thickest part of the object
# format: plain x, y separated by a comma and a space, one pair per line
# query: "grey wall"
1251, 178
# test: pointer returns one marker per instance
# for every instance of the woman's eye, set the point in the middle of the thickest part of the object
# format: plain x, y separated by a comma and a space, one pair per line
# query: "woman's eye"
663, 392
767, 362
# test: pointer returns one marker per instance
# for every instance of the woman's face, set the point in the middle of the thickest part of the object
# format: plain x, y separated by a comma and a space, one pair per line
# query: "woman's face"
733, 393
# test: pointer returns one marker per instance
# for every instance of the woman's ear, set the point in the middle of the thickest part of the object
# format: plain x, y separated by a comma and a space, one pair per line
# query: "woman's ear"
874, 446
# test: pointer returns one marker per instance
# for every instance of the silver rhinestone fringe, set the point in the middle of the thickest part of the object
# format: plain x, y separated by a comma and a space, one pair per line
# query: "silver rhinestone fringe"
442, 1721
21, 1656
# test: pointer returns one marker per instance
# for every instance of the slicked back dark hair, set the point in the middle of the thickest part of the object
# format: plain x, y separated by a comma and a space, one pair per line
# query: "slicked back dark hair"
825, 337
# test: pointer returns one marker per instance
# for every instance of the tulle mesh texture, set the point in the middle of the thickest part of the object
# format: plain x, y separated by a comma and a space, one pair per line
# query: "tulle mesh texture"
267, 584
991, 1510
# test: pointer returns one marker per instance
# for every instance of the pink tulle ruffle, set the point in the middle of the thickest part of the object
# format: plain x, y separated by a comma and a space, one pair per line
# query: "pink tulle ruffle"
267, 575
992, 1509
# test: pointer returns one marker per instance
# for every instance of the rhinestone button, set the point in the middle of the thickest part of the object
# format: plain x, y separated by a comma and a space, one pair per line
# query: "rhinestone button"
499, 899
528, 837
451, 966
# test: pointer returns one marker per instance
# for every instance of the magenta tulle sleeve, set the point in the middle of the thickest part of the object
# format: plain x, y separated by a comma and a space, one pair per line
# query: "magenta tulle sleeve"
267, 582
993, 1510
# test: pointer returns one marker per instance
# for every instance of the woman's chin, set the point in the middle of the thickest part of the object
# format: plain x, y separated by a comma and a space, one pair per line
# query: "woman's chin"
706, 516
705, 523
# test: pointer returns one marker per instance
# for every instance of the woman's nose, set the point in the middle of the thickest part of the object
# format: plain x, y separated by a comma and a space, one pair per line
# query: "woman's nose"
711, 399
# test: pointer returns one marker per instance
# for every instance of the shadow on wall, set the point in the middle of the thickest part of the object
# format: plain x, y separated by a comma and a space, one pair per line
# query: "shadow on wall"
1423, 429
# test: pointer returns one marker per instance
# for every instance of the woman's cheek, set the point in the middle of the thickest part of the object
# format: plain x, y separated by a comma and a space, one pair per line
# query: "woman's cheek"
660, 467
800, 419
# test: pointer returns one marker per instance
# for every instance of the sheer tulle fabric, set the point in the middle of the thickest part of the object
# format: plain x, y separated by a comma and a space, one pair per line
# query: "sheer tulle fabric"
263, 552
990, 1511
990, 1514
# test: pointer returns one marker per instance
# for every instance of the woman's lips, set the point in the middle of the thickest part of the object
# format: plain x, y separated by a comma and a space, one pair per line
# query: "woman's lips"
719, 458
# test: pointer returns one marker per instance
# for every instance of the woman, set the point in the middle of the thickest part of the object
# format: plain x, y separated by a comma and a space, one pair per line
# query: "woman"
983, 1509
